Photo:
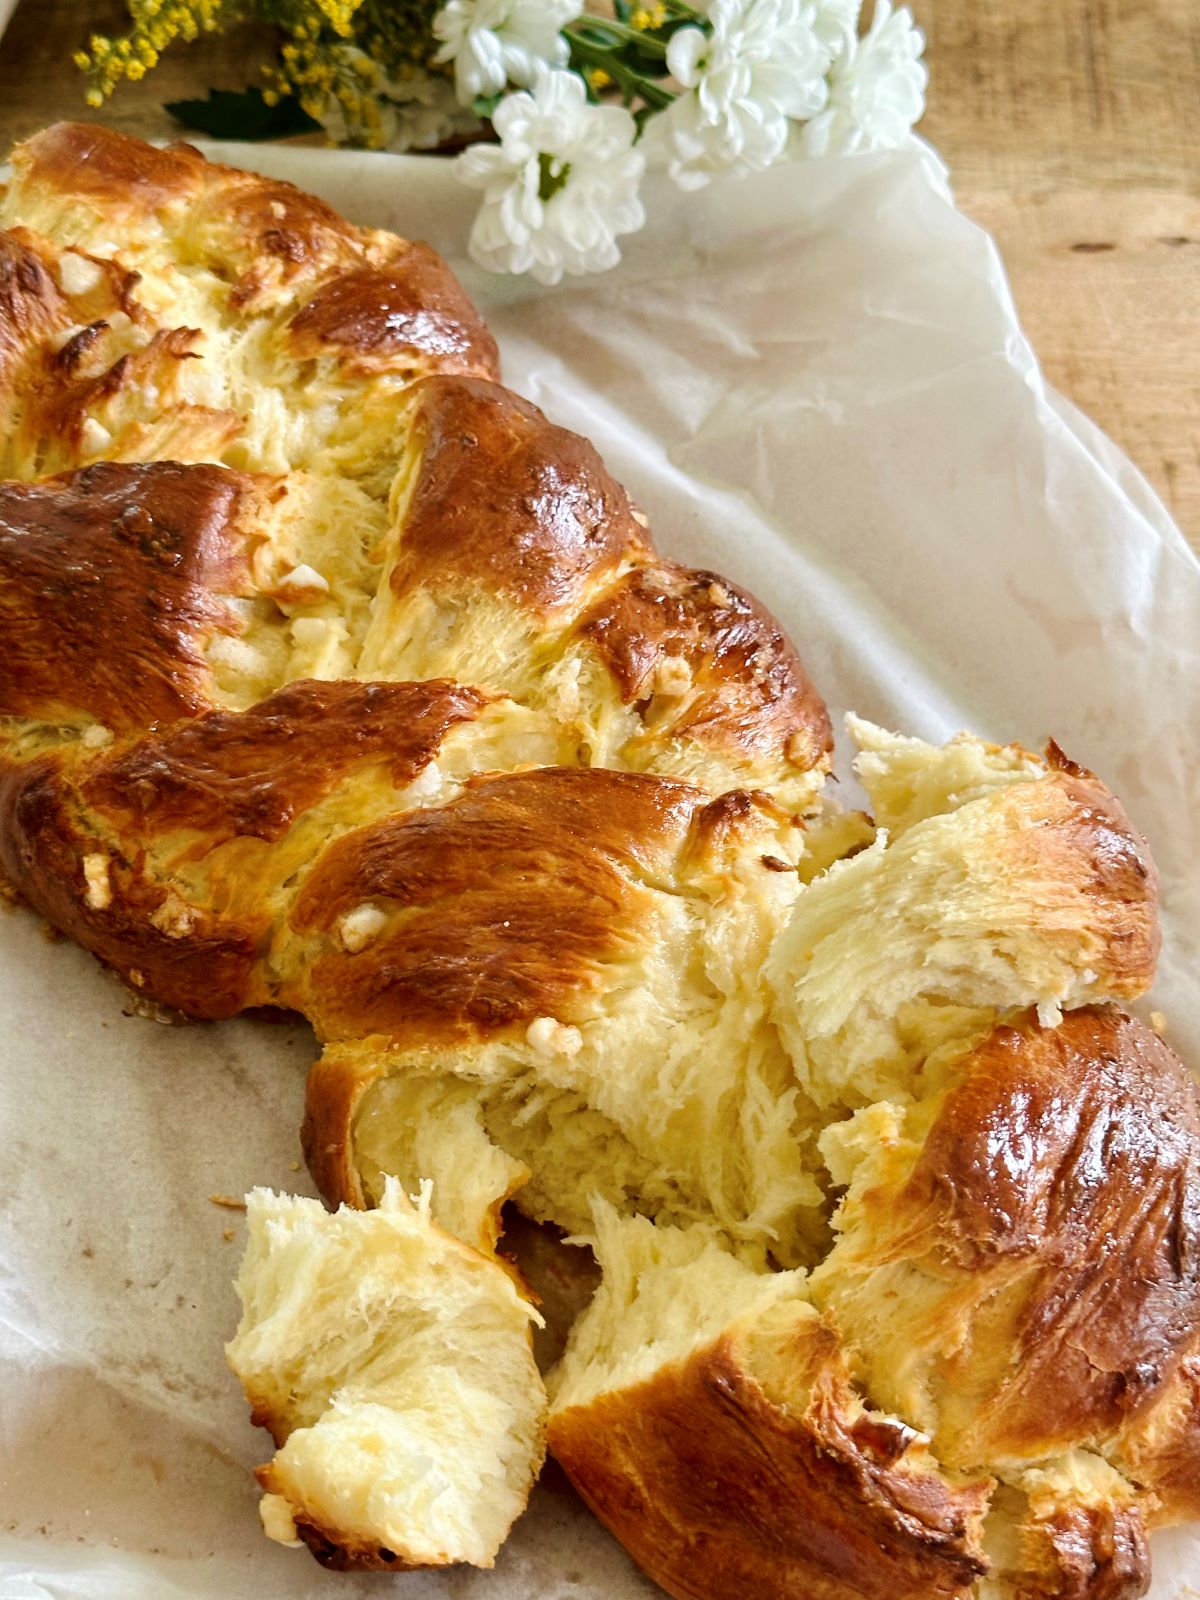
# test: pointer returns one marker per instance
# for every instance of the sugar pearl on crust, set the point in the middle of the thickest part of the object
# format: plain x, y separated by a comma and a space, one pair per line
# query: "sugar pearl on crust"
550, 1037
358, 927
99, 890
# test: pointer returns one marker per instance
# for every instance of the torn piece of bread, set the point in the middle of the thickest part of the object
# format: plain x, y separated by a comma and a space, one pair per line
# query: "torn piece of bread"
357, 1143
1021, 890
575, 958
908, 780
706, 1414
393, 1367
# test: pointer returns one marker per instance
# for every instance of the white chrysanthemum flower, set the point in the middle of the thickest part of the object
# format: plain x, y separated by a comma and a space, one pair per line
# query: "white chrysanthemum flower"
495, 42
559, 187
424, 111
836, 24
762, 64
877, 89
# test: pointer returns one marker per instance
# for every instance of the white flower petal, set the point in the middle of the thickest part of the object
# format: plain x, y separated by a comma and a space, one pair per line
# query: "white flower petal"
684, 54
589, 151
479, 164
877, 88
494, 41
836, 24
763, 63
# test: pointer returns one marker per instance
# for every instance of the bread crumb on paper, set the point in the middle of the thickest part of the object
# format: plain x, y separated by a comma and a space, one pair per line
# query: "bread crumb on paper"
229, 1201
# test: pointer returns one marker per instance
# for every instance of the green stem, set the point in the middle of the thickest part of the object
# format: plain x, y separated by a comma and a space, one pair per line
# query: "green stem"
630, 82
618, 30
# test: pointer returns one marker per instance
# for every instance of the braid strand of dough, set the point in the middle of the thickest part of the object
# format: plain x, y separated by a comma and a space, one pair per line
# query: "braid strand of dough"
337, 678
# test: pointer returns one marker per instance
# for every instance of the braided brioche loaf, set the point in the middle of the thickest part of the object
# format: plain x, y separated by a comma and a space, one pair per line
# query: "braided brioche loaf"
338, 679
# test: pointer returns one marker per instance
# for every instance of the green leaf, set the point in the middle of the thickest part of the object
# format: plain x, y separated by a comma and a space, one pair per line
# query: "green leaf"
228, 114
484, 104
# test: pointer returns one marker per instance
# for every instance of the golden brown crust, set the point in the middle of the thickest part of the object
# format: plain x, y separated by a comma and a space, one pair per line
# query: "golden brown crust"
58, 419
506, 501
716, 1490
1085, 1552
375, 303
394, 318
1161, 1448
108, 589
32, 309
1109, 858
335, 1087
380, 300
268, 231
224, 777
206, 966
62, 381
117, 173
504, 905
746, 692
252, 773
1057, 1201
330, 1546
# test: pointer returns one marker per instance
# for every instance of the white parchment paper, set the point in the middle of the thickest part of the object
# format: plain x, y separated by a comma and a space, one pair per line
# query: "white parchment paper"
813, 380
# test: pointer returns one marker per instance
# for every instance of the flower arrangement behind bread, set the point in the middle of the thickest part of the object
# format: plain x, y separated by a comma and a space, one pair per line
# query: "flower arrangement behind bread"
562, 111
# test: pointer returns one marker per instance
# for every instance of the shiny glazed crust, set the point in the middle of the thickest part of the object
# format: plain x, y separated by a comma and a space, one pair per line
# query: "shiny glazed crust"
717, 1487
357, 687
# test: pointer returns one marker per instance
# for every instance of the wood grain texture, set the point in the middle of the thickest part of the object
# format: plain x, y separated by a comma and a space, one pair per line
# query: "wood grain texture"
1072, 133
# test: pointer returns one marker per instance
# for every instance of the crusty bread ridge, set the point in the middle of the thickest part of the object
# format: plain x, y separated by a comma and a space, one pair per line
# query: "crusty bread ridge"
338, 678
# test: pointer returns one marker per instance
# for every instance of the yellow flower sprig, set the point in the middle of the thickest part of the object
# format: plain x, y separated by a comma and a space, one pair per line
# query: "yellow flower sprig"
339, 60
156, 24
336, 56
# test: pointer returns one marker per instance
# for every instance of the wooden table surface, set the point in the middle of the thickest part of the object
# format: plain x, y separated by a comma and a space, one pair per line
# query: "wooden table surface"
1072, 130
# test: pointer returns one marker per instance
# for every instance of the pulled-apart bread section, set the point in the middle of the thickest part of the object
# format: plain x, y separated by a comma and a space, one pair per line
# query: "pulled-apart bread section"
985, 1388
706, 1414
569, 962
1027, 887
603, 980
393, 1367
